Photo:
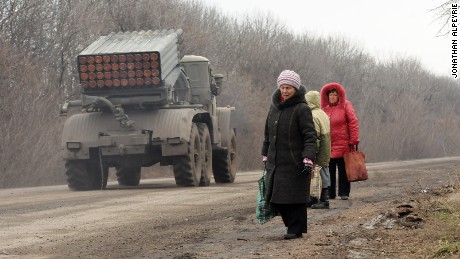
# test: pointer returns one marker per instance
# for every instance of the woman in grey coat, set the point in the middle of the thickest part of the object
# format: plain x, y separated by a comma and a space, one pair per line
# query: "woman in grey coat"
323, 143
289, 148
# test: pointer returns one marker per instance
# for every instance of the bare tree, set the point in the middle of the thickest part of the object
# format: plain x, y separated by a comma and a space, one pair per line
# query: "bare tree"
404, 111
443, 15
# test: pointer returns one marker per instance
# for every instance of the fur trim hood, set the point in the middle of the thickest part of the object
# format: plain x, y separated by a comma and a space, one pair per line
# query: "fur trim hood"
340, 90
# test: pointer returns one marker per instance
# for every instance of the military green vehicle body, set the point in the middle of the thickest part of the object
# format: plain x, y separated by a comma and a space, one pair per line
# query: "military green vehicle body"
141, 105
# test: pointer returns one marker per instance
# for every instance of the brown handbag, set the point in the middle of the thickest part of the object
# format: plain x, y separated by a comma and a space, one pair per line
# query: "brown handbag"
355, 166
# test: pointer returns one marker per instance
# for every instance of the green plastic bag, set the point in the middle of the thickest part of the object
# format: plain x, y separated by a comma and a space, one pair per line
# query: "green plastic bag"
265, 211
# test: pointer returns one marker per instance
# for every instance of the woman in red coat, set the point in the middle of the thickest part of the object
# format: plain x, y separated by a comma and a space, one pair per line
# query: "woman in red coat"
344, 134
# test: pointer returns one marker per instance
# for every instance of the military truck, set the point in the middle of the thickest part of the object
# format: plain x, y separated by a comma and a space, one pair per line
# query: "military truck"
142, 104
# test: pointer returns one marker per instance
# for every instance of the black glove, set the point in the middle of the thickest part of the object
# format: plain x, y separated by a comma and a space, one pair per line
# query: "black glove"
353, 148
307, 169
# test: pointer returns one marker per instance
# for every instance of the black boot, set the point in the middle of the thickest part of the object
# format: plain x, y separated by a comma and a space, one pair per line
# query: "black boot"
313, 200
323, 200
331, 192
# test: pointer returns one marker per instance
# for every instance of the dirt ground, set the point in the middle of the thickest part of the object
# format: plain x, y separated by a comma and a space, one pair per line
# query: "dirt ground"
385, 217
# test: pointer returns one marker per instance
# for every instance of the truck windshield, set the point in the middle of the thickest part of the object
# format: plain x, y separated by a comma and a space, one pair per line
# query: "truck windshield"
198, 73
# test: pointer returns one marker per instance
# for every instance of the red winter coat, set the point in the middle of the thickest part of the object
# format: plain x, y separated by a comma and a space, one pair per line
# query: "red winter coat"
344, 124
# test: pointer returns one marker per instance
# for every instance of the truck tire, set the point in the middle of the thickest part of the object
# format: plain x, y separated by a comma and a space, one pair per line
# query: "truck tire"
225, 162
206, 149
128, 176
187, 168
86, 175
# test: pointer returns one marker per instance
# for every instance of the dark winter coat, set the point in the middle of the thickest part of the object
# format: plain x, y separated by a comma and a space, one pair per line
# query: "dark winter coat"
290, 136
342, 116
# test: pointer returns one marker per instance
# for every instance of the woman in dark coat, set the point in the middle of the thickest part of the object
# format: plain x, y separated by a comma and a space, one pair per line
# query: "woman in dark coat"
289, 147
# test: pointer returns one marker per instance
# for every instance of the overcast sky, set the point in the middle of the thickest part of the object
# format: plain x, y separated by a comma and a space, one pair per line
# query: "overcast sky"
385, 29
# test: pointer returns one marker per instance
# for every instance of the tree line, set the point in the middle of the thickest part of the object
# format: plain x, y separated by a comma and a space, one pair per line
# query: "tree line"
404, 111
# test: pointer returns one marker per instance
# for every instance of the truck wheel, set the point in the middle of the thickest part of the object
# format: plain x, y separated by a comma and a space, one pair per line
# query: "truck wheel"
225, 163
187, 168
85, 175
206, 151
128, 176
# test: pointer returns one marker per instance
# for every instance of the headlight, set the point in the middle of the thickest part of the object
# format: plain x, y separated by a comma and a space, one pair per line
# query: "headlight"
73, 145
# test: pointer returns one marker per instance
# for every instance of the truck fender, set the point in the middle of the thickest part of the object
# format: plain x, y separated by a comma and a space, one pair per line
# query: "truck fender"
171, 127
224, 115
84, 129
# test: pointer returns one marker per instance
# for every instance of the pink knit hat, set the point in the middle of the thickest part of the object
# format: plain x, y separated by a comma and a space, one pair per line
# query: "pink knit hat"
289, 77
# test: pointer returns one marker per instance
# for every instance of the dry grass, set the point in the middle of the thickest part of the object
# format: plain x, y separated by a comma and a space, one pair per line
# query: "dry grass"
383, 230
444, 228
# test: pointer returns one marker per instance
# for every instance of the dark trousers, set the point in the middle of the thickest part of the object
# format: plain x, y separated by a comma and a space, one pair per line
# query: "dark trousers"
344, 184
294, 217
